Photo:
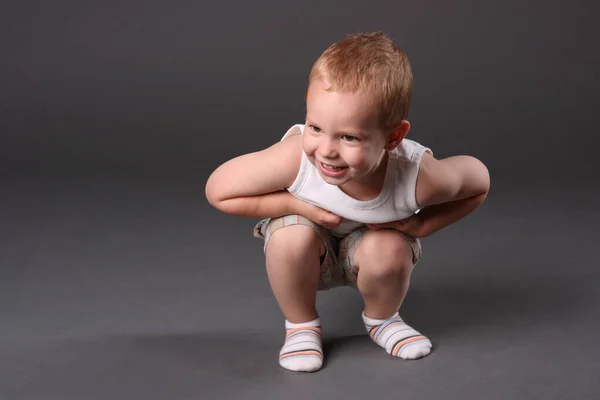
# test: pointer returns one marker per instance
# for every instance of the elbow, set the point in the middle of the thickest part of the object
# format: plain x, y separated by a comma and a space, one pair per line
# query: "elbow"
482, 177
220, 201
213, 202
211, 193
226, 206
474, 179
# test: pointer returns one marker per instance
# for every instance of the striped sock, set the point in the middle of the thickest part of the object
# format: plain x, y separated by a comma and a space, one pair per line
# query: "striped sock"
302, 349
397, 338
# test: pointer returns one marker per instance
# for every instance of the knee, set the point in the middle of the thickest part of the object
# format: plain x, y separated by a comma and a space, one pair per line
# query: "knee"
294, 241
385, 254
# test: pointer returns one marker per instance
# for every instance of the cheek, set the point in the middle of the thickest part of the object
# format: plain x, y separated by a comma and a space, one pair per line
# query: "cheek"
308, 145
355, 159
361, 160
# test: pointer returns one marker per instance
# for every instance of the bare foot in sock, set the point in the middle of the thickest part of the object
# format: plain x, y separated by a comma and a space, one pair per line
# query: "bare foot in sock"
302, 350
397, 338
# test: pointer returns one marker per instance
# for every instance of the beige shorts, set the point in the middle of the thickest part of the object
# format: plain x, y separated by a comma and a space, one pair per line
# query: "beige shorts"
337, 266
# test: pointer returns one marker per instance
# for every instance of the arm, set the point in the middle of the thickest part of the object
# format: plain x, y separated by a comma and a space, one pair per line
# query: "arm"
236, 186
277, 204
447, 191
253, 185
450, 179
438, 216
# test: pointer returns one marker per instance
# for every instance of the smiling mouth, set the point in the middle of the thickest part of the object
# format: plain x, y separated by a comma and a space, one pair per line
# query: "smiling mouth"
331, 167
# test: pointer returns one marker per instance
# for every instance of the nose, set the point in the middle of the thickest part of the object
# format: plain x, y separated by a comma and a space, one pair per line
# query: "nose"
327, 149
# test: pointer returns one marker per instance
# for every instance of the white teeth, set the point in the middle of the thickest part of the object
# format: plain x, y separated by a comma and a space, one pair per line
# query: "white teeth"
331, 167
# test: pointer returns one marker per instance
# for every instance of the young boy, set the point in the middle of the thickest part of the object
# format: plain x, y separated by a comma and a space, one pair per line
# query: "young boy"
344, 198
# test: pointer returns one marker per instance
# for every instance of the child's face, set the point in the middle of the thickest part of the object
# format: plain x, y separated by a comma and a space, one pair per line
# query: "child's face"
342, 129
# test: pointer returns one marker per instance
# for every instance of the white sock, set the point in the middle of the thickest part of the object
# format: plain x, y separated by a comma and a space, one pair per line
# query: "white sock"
302, 350
396, 337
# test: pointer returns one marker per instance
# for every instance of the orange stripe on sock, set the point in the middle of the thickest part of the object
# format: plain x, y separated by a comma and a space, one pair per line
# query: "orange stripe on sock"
301, 353
407, 341
303, 328
373, 330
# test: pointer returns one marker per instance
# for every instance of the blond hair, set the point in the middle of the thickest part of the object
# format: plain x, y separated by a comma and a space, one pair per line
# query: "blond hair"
373, 64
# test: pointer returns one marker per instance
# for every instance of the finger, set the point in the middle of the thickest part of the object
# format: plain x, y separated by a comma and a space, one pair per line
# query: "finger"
376, 227
332, 220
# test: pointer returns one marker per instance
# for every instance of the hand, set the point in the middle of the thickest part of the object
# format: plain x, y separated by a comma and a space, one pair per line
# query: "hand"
316, 214
412, 226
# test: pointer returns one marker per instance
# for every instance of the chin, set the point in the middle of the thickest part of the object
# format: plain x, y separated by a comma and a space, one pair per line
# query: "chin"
331, 181
336, 182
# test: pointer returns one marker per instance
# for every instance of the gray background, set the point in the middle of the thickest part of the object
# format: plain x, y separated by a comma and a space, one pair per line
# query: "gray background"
118, 280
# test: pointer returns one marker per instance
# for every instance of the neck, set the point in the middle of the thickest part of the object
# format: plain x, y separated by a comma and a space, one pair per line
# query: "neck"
370, 189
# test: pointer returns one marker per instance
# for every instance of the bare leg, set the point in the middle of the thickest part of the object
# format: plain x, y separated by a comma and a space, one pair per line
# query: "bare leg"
293, 266
384, 261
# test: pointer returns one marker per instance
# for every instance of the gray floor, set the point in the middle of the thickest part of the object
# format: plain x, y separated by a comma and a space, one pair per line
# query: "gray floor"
137, 289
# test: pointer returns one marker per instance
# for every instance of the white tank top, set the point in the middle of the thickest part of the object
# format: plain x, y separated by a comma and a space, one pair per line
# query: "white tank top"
396, 201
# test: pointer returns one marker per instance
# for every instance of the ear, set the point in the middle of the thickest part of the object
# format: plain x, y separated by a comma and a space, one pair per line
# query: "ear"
397, 135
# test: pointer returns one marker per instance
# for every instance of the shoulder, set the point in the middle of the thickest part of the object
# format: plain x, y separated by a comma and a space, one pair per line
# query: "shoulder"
287, 155
409, 152
450, 179
272, 169
291, 145
430, 180
297, 129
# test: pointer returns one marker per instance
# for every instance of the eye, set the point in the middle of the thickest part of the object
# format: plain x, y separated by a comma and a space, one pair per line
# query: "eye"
315, 128
350, 138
